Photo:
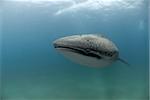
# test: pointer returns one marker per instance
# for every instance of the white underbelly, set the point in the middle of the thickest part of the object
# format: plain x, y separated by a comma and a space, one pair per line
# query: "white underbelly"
86, 60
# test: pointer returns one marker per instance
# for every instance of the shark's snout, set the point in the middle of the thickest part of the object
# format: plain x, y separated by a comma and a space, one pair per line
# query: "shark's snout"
55, 44
58, 43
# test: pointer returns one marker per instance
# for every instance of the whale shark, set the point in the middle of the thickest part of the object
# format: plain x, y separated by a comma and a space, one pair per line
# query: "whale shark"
88, 49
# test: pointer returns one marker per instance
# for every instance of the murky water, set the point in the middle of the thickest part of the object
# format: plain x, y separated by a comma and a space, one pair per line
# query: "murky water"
33, 70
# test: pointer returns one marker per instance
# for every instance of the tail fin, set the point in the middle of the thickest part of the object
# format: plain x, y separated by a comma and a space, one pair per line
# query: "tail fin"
123, 61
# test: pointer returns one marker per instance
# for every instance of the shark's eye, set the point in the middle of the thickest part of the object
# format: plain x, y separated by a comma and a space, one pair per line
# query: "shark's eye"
112, 53
109, 54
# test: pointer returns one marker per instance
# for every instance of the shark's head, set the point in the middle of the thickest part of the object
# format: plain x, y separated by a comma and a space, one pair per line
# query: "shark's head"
91, 50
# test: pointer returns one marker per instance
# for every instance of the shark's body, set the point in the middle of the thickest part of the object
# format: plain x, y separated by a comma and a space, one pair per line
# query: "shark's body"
90, 50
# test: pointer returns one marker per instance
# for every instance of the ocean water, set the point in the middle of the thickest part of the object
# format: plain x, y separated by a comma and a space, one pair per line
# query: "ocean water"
31, 69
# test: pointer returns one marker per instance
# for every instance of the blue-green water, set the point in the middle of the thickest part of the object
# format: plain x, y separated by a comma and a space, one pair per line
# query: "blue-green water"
33, 70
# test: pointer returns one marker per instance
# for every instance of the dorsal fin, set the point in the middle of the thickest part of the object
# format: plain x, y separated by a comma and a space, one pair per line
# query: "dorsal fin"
123, 61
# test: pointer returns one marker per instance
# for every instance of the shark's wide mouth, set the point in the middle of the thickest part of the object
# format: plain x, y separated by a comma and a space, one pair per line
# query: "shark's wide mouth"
88, 52
79, 51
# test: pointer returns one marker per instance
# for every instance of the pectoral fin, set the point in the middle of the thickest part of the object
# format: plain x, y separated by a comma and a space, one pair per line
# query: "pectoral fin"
123, 61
